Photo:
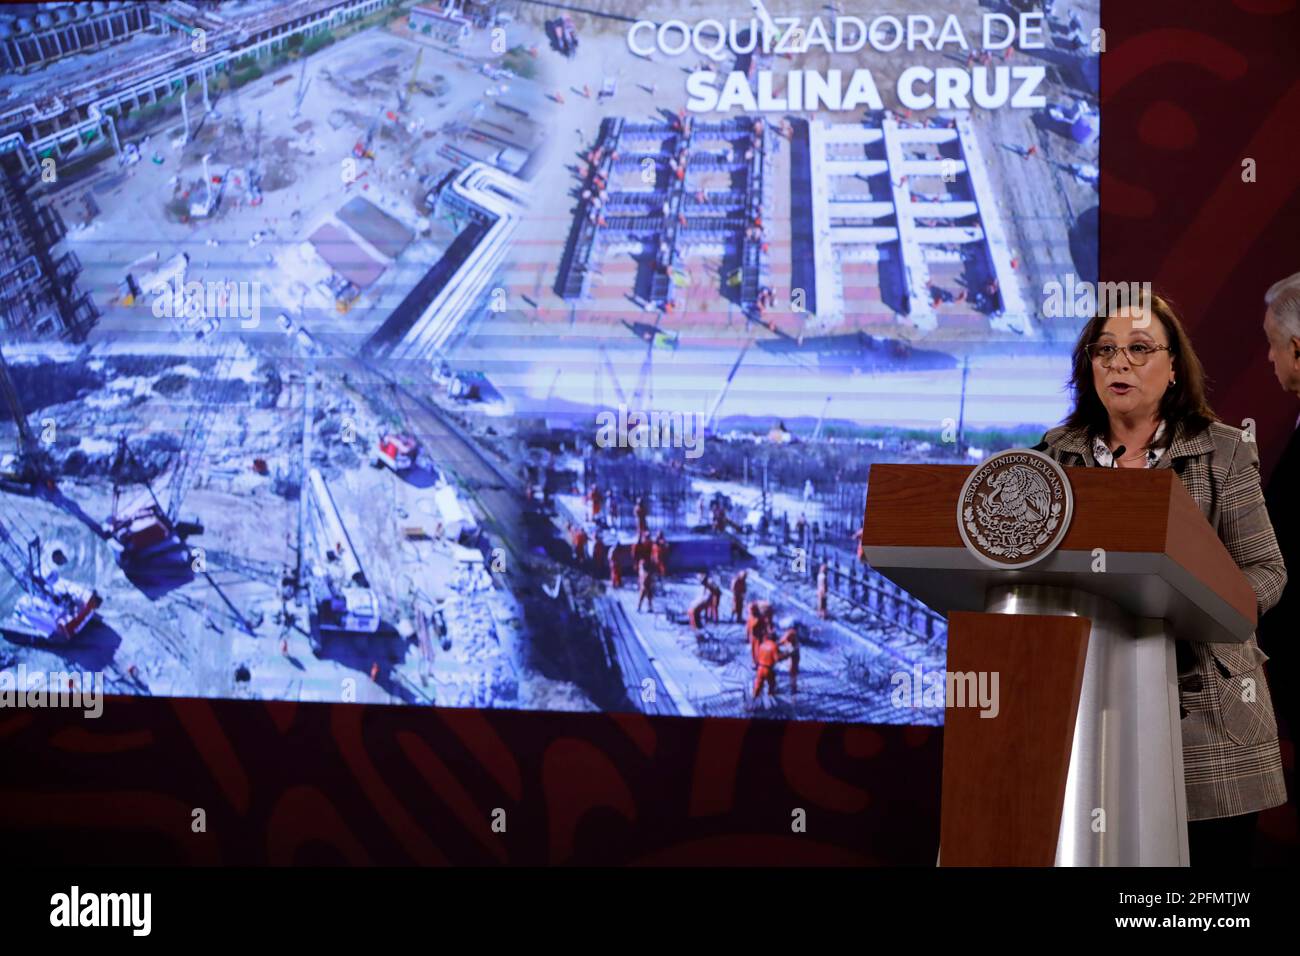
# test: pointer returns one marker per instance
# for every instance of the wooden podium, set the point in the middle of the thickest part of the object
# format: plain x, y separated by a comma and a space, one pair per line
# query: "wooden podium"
1083, 764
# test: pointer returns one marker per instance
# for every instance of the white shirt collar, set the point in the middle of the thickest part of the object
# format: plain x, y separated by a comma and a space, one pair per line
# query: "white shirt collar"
1105, 459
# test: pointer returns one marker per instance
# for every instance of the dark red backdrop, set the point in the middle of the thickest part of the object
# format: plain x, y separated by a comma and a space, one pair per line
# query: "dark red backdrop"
1189, 91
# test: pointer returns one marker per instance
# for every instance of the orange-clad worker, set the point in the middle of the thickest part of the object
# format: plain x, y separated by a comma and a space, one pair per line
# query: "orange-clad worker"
659, 554
766, 654
719, 516
642, 550
615, 573
642, 510
790, 639
822, 587
738, 585
598, 553
699, 610
755, 627
580, 544
645, 575
596, 498
715, 598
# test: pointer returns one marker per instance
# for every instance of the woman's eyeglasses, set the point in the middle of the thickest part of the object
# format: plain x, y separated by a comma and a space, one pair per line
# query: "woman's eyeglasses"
1139, 353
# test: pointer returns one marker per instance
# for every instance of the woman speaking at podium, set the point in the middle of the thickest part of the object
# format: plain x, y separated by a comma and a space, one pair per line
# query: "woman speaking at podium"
1140, 403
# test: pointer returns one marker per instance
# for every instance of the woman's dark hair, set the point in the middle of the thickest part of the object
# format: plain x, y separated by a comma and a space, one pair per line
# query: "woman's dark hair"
1183, 403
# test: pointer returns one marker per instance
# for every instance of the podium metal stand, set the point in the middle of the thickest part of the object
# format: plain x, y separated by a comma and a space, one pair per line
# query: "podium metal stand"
1083, 764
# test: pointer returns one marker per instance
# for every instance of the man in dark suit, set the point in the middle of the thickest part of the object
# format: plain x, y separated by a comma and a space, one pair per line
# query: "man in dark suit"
1279, 630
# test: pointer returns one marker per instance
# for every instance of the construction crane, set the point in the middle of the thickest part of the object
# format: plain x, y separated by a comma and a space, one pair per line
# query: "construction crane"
303, 83
726, 385
550, 392
308, 417
142, 527
613, 375
139, 525
817, 432
770, 32
51, 608
198, 428
30, 465
643, 395
255, 167
404, 94
341, 595
235, 117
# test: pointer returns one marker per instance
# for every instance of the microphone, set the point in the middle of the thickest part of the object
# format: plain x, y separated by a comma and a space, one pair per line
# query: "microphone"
1115, 456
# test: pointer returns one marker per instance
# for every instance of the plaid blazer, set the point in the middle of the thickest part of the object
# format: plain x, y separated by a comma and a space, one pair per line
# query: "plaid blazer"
1231, 761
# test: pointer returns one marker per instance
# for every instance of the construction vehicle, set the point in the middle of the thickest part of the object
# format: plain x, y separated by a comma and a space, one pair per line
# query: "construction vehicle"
128, 290
165, 278
201, 208
1078, 118
430, 624
563, 35
343, 292
362, 150
51, 609
461, 386
458, 524
346, 298
341, 596
398, 451
30, 465
1087, 173
139, 527
666, 339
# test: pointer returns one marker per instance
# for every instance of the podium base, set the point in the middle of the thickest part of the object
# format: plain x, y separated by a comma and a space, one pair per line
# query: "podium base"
1125, 799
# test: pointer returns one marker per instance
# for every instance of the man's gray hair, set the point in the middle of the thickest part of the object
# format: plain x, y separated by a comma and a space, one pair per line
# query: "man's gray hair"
1283, 297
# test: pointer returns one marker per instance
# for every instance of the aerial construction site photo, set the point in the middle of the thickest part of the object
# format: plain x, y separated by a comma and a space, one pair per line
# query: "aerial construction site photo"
518, 354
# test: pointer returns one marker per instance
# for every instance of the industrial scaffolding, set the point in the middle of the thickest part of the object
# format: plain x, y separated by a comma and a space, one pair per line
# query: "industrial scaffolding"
38, 290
